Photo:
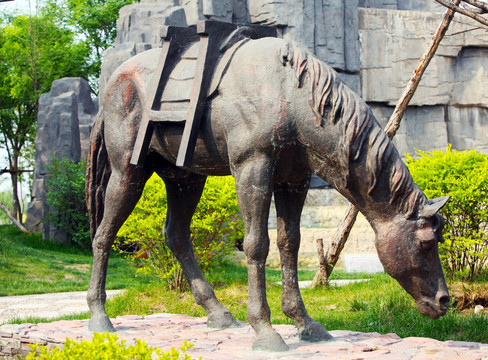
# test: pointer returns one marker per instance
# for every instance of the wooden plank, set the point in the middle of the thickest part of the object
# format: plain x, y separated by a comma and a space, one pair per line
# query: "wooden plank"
175, 40
190, 133
168, 116
145, 131
212, 33
214, 39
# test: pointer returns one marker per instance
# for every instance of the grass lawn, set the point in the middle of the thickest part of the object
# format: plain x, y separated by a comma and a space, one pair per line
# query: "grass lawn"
30, 265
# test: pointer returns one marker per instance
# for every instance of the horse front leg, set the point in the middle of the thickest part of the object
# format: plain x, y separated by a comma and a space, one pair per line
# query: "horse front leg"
183, 197
289, 202
254, 183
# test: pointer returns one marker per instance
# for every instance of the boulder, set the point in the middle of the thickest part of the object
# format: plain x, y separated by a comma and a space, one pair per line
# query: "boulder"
64, 122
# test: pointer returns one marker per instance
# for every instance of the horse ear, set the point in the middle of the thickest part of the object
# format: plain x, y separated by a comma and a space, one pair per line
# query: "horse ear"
433, 206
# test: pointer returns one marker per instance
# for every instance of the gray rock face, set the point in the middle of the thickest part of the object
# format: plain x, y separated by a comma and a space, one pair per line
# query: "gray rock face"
450, 104
419, 5
329, 28
373, 44
423, 127
138, 30
392, 42
64, 121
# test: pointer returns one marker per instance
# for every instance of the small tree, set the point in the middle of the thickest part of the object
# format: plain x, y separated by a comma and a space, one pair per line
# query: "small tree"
215, 228
464, 176
34, 51
66, 195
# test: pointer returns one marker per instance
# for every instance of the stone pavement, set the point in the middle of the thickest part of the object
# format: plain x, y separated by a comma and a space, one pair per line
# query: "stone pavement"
45, 306
167, 330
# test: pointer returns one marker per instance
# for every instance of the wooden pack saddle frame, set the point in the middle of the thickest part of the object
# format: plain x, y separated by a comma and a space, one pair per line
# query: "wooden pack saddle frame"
214, 39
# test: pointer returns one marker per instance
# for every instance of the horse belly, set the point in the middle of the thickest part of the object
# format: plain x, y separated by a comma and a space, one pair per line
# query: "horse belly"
210, 156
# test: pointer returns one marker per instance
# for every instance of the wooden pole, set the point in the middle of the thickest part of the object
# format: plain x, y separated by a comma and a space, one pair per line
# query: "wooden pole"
12, 218
320, 279
351, 213
401, 106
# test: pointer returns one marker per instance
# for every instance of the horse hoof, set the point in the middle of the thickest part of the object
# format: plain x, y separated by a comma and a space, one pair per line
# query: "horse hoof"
221, 321
315, 332
271, 341
100, 324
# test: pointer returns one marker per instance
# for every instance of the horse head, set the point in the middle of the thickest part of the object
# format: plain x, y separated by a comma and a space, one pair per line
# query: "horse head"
408, 250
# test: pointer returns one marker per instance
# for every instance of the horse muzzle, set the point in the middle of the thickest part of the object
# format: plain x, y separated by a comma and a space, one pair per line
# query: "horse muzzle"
434, 308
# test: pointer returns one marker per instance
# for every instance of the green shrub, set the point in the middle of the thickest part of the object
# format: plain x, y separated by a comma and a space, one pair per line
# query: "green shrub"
464, 176
66, 195
215, 227
106, 346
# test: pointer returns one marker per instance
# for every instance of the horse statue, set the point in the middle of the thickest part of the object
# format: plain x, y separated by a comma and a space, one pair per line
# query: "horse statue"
277, 116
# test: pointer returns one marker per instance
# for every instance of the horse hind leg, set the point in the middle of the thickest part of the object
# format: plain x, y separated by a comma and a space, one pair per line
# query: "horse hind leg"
122, 193
183, 197
289, 202
114, 134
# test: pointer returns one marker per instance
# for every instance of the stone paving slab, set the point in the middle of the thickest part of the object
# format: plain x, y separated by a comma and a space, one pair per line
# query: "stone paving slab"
170, 330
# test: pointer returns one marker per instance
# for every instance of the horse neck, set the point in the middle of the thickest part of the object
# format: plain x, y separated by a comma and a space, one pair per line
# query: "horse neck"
346, 144
392, 193
365, 167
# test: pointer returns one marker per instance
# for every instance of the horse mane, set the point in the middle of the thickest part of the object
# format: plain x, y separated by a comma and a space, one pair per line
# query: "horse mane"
333, 102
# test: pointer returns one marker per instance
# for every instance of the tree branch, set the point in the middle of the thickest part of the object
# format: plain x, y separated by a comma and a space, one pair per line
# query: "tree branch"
321, 278
476, 3
471, 14
14, 171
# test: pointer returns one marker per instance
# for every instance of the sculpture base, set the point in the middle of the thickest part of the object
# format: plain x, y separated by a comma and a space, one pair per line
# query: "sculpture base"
167, 330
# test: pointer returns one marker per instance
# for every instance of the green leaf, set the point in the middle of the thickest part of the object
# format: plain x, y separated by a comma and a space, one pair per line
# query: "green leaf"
215, 228
464, 176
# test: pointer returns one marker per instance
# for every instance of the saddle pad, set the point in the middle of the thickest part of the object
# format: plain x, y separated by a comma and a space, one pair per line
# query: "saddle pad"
175, 99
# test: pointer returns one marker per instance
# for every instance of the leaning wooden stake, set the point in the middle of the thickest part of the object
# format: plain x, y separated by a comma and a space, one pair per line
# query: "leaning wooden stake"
351, 213
321, 276
12, 218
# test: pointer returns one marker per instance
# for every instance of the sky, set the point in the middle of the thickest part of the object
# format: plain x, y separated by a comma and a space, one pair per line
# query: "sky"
21, 6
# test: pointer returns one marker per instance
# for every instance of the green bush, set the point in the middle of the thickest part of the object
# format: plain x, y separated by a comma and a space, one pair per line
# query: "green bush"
106, 346
215, 227
464, 176
66, 195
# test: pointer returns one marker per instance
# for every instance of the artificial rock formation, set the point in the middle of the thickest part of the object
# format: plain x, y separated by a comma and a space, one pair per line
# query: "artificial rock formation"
64, 123
450, 104
417, 5
373, 44
329, 28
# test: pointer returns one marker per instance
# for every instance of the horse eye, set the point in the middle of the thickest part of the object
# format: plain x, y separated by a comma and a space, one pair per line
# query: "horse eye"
427, 244
435, 223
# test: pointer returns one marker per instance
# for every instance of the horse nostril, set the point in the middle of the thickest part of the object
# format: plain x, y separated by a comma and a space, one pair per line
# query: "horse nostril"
444, 301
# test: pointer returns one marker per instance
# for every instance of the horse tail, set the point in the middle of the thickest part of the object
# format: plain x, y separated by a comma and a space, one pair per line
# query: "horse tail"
98, 172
